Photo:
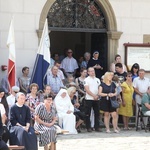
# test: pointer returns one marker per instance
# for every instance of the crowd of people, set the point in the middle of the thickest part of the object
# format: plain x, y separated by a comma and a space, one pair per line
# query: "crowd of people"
75, 94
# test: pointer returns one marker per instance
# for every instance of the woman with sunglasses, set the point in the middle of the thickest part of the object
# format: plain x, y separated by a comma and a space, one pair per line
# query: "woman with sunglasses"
126, 109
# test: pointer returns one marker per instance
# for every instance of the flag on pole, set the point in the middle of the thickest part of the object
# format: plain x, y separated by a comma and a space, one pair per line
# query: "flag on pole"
12, 55
42, 61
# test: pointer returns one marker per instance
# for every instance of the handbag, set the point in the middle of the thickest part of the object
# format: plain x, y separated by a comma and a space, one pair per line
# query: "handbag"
113, 100
114, 103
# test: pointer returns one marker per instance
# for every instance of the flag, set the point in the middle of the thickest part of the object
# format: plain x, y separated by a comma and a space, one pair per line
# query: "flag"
12, 55
42, 61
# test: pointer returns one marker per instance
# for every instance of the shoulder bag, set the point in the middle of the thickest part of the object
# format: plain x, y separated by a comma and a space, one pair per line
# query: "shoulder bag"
113, 100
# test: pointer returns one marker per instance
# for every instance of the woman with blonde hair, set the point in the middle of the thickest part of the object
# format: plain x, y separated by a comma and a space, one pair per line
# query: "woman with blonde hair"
107, 90
79, 115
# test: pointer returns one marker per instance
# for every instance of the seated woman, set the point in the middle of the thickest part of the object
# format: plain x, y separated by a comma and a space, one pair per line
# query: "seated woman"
32, 100
65, 111
20, 131
45, 119
5, 135
4, 101
80, 116
3, 145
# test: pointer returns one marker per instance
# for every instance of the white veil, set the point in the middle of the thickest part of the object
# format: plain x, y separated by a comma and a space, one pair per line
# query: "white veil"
58, 96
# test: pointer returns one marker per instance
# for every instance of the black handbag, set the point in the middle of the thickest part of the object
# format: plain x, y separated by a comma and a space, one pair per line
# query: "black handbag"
114, 103
113, 100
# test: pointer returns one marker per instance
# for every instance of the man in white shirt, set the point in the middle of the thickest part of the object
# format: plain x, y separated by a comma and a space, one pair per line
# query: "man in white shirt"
91, 84
11, 99
140, 85
69, 64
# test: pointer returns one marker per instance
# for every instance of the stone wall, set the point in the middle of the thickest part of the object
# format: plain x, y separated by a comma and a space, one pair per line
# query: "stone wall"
133, 19
26, 21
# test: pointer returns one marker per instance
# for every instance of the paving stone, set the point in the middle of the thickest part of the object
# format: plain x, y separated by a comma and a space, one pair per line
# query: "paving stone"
125, 140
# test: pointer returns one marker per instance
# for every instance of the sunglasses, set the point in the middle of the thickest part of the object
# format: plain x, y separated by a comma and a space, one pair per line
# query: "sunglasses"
15, 92
69, 52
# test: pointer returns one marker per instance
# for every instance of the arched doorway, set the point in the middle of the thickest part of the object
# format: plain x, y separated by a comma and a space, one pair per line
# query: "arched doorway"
92, 20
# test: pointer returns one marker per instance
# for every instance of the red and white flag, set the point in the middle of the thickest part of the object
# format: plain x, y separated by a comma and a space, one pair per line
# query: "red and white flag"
12, 55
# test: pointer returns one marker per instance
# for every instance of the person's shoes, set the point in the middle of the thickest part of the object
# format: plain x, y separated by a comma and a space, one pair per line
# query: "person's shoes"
78, 130
116, 131
125, 128
93, 129
98, 130
108, 131
89, 130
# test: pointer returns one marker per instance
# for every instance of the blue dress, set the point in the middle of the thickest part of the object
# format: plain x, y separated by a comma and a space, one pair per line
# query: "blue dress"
18, 136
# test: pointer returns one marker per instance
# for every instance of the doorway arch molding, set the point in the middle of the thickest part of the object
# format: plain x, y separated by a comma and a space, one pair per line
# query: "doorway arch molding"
112, 33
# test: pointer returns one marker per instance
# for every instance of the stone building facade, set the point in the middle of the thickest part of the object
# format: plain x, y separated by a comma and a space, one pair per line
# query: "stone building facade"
127, 21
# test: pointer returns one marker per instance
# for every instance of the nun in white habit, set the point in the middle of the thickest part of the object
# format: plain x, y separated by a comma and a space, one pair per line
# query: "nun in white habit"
65, 109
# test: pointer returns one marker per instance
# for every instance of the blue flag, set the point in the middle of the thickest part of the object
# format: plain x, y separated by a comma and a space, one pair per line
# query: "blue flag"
42, 61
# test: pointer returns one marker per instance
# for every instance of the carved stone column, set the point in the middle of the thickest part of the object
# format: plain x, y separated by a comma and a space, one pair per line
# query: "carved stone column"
113, 37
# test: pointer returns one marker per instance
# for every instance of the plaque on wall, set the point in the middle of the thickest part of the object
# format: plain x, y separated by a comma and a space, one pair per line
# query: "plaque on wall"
137, 53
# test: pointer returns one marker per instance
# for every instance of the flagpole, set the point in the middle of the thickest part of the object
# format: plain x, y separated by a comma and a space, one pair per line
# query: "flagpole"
12, 55
42, 59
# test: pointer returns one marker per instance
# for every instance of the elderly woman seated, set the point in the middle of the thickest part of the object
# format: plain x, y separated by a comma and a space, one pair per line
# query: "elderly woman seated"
20, 132
80, 116
45, 118
65, 110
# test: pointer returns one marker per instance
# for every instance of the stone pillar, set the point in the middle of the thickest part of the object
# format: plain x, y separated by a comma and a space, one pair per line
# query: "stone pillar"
113, 37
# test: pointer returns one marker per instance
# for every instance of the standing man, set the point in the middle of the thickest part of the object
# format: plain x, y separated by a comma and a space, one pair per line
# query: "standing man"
54, 81
91, 84
69, 64
60, 74
140, 84
120, 72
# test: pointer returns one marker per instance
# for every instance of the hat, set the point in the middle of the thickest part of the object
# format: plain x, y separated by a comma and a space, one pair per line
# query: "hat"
2, 90
15, 89
95, 52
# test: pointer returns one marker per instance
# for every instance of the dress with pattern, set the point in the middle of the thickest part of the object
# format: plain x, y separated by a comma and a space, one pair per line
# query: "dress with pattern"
47, 134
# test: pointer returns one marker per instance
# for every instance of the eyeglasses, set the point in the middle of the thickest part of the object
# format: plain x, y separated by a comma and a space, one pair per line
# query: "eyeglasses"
15, 92
69, 52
